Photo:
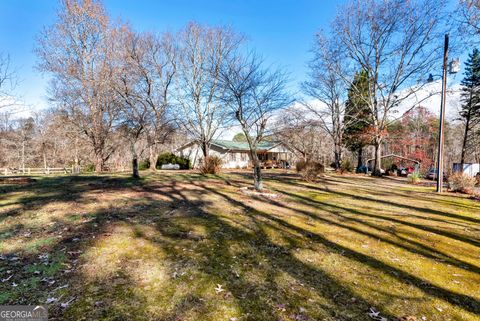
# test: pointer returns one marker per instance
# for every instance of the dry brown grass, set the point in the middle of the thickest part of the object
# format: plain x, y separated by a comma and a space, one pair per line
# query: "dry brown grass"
189, 247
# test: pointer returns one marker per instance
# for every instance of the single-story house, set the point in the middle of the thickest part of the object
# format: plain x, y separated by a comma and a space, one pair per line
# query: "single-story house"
237, 154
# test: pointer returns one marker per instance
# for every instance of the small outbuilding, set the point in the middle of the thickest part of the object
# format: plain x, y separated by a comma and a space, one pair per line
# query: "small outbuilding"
470, 169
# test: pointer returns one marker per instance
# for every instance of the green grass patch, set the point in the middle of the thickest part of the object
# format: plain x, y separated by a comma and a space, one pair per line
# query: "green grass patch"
183, 246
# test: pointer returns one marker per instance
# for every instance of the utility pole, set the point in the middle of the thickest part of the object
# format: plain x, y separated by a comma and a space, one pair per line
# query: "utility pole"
442, 119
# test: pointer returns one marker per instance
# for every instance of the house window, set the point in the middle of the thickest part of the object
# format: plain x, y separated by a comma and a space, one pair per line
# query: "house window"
233, 157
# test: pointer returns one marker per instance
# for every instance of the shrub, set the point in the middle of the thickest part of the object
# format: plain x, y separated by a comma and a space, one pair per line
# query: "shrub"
477, 177
460, 182
211, 165
387, 163
309, 170
414, 178
89, 168
169, 158
346, 166
300, 165
144, 164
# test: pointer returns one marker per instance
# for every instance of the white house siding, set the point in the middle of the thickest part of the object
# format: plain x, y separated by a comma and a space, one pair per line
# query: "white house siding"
231, 159
235, 159
193, 152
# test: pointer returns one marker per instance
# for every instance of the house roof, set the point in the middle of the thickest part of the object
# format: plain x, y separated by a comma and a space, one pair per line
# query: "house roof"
228, 144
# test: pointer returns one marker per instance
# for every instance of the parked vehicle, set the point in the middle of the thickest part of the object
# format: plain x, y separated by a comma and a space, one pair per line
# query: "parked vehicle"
433, 173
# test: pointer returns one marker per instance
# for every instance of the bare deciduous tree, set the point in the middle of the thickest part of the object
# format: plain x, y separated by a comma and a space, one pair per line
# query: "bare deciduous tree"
143, 75
468, 15
77, 50
327, 88
7, 82
253, 93
126, 82
154, 60
397, 43
202, 52
303, 135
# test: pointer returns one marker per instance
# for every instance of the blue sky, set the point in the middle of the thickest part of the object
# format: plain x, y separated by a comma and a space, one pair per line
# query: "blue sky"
281, 30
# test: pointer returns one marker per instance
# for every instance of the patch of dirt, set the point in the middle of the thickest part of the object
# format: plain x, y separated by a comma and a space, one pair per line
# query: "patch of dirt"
253, 192
16, 180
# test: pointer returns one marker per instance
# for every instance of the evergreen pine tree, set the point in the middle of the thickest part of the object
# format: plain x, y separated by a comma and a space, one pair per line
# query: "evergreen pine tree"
357, 115
470, 110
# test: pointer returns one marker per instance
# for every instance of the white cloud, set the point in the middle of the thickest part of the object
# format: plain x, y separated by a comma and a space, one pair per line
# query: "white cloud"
430, 98
16, 107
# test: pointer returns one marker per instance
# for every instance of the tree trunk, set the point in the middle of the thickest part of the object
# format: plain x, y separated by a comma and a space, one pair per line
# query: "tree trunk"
44, 154
338, 158
153, 157
99, 159
204, 147
135, 173
23, 156
377, 165
464, 145
98, 164
257, 176
76, 168
257, 171
359, 158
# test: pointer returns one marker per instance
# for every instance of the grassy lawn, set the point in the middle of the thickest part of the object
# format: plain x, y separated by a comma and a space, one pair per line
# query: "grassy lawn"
180, 246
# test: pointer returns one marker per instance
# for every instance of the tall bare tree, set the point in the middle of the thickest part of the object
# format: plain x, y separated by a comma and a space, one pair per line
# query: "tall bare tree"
25, 133
126, 82
327, 87
8, 82
142, 72
303, 135
77, 50
154, 60
252, 94
203, 51
396, 43
468, 15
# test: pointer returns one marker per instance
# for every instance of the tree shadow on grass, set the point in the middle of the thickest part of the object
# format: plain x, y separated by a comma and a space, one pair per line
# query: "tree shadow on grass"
266, 298
465, 302
58, 240
235, 252
412, 246
390, 203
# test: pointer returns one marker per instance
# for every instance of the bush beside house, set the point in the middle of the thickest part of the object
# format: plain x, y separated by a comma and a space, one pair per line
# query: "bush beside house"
169, 158
309, 170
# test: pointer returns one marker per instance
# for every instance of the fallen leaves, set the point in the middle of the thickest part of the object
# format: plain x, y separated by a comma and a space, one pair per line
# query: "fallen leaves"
219, 289
6, 279
67, 303
375, 315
